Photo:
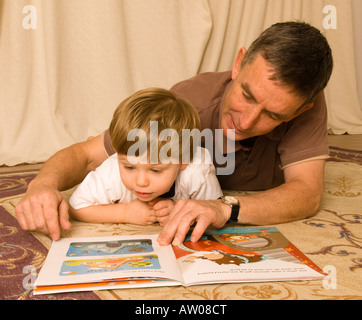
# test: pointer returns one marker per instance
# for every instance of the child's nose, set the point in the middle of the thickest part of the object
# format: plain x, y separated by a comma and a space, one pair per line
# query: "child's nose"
142, 179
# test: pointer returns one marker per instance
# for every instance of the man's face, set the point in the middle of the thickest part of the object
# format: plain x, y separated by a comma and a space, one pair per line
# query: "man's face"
254, 105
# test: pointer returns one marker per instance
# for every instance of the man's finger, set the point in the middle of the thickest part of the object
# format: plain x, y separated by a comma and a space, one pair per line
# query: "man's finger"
37, 216
167, 233
170, 228
52, 219
19, 213
64, 215
201, 226
28, 216
182, 230
182, 219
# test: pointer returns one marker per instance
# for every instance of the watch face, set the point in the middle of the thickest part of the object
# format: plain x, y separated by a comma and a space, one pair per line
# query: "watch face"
231, 200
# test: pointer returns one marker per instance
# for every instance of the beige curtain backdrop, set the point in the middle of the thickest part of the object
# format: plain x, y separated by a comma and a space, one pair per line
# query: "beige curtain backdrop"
65, 65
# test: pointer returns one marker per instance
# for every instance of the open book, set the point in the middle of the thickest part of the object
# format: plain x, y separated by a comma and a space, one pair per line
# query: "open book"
234, 254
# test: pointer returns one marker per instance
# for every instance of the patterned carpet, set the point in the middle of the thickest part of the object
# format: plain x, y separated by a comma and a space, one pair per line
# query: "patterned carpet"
332, 239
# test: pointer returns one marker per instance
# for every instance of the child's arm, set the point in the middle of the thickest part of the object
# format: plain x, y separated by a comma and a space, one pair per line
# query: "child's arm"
135, 212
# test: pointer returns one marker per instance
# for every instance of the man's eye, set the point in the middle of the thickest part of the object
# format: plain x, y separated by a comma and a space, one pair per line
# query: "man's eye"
156, 170
128, 167
246, 97
271, 116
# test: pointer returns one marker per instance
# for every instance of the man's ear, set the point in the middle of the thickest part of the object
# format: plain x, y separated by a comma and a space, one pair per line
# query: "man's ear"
301, 110
237, 64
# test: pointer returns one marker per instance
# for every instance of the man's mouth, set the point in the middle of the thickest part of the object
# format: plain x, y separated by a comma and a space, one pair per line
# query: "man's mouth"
233, 126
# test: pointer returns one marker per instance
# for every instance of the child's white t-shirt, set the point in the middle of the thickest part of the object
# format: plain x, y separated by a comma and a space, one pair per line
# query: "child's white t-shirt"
104, 185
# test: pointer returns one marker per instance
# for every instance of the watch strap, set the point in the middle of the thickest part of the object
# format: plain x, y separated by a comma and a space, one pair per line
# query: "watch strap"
235, 208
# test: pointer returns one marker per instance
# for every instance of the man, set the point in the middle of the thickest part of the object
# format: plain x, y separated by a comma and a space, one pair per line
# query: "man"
273, 100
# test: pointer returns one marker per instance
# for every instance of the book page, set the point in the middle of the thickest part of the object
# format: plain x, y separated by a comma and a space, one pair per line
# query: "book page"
243, 254
83, 260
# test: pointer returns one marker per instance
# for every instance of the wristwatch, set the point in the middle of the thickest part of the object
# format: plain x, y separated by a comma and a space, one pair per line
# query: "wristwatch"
235, 207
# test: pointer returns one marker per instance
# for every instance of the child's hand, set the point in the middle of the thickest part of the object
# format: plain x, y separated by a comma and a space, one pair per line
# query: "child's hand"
139, 212
162, 207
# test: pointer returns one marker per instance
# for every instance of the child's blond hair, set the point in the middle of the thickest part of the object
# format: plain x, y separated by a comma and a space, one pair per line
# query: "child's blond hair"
148, 105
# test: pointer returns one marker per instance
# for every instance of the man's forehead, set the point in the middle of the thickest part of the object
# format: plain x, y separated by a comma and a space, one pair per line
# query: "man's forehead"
258, 78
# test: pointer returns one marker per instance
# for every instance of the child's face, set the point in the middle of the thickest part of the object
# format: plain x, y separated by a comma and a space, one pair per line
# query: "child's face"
147, 181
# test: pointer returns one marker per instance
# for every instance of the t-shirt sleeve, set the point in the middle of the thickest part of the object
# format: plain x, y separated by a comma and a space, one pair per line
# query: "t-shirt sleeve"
306, 137
210, 188
98, 187
198, 181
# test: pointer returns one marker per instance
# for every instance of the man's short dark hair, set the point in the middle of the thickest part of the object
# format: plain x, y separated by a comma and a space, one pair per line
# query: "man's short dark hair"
299, 55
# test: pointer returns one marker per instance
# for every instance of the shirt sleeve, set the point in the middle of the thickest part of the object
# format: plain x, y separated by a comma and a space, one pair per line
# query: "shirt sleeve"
306, 136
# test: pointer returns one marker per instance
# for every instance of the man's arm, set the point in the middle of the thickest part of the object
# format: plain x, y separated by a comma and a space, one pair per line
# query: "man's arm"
43, 208
298, 198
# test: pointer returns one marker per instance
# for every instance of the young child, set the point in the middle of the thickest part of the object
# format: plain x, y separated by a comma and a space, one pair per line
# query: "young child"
128, 184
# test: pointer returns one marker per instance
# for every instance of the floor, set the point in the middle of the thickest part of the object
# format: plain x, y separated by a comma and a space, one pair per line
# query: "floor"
353, 142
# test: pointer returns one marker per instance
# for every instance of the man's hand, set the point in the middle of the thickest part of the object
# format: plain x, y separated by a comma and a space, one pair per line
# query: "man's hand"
43, 210
188, 212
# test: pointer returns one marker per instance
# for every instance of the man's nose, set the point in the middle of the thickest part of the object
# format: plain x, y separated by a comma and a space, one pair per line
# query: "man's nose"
249, 117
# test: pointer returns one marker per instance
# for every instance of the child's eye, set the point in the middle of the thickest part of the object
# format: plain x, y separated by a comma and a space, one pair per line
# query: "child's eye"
156, 170
128, 167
